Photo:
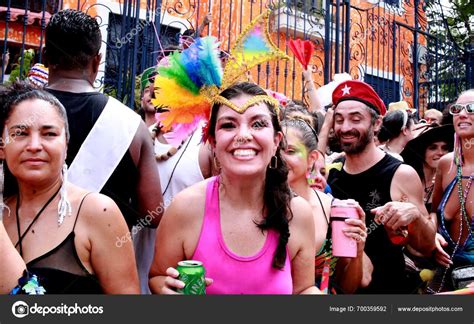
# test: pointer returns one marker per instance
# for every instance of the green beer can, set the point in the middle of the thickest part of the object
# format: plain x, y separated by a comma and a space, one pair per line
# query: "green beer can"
192, 273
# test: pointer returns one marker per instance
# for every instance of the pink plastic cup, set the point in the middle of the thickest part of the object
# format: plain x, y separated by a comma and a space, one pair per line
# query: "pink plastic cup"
343, 246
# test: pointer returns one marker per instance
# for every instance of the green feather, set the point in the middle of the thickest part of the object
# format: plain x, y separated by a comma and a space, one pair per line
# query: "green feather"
177, 72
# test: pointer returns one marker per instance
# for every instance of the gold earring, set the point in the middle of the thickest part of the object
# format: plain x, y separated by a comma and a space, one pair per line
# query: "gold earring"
273, 162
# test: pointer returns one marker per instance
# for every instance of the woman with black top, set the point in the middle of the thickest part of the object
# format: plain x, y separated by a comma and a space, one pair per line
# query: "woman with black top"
66, 236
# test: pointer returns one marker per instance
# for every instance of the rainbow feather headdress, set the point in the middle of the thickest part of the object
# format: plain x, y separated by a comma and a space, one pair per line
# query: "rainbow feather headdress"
191, 84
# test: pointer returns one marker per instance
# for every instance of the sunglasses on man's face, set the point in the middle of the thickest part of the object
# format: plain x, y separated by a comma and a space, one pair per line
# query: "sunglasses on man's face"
456, 109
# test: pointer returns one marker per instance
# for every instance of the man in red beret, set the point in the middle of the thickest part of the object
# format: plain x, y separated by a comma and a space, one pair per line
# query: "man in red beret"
389, 192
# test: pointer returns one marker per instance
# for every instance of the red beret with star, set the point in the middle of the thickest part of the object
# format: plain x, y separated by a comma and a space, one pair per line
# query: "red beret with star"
358, 91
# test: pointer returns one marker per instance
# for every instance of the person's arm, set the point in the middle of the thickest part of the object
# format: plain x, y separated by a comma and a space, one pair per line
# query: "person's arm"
176, 238
314, 102
111, 251
148, 187
205, 22
350, 271
302, 247
440, 254
408, 210
367, 270
11, 263
168, 251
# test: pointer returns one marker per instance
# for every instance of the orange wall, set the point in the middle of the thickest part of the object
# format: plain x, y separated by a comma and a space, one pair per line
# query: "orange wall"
15, 33
371, 43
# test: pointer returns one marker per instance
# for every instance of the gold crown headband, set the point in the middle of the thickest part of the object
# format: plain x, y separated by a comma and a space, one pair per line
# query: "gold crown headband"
249, 103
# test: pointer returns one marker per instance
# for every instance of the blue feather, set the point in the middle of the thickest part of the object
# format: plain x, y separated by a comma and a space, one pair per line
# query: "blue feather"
211, 65
190, 60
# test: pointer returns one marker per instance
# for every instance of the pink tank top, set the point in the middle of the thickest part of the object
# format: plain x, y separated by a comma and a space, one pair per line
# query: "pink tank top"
233, 274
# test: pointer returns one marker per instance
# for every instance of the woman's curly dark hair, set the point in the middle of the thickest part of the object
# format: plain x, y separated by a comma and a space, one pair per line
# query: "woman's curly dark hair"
277, 194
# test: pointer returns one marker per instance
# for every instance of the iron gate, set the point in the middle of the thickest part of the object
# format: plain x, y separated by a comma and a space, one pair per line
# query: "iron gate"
387, 44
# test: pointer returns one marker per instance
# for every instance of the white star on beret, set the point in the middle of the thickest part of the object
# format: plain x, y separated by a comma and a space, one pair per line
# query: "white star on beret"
346, 90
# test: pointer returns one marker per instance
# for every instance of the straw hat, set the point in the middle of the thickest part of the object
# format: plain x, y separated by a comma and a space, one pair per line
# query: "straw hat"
400, 105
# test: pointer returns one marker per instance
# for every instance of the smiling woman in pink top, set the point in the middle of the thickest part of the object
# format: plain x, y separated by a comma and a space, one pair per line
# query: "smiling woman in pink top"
251, 234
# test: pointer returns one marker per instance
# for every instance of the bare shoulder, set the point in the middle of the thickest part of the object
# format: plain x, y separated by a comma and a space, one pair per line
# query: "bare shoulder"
302, 235
325, 199
182, 221
445, 162
188, 205
404, 173
406, 179
406, 185
302, 212
142, 134
142, 143
194, 196
97, 208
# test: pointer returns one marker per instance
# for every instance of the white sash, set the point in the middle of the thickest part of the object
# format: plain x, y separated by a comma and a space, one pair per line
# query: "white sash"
104, 146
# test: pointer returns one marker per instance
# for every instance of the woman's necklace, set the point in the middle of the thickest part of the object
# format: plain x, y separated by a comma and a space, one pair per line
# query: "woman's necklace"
462, 201
429, 189
172, 150
463, 195
22, 236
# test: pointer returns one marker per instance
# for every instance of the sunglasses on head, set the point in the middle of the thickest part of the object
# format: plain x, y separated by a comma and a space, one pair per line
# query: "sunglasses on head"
456, 109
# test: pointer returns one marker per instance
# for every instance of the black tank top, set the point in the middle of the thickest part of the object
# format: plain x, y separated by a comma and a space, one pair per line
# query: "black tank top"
83, 110
60, 271
371, 189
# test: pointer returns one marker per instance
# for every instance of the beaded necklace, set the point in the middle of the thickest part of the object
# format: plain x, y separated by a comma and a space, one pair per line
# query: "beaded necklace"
463, 195
462, 201
172, 150
429, 190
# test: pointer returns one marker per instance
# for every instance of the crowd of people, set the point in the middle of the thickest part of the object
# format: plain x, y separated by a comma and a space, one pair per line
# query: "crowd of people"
96, 200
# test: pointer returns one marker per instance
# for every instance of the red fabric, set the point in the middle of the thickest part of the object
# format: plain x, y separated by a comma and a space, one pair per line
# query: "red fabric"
358, 91
303, 50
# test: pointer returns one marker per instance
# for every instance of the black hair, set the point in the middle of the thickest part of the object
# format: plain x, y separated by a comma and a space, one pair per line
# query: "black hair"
277, 194
72, 39
447, 117
189, 32
12, 96
20, 91
141, 113
392, 125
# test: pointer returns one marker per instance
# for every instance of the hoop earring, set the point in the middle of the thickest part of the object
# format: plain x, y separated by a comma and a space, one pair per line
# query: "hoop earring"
273, 163
64, 206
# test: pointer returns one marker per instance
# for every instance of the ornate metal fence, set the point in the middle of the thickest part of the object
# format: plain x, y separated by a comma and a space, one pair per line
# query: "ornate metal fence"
387, 44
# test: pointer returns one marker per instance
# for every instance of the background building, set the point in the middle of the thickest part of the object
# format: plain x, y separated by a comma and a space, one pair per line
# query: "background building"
387, 44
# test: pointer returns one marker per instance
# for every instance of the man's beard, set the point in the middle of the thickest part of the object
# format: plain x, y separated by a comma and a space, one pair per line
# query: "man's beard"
357, 147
